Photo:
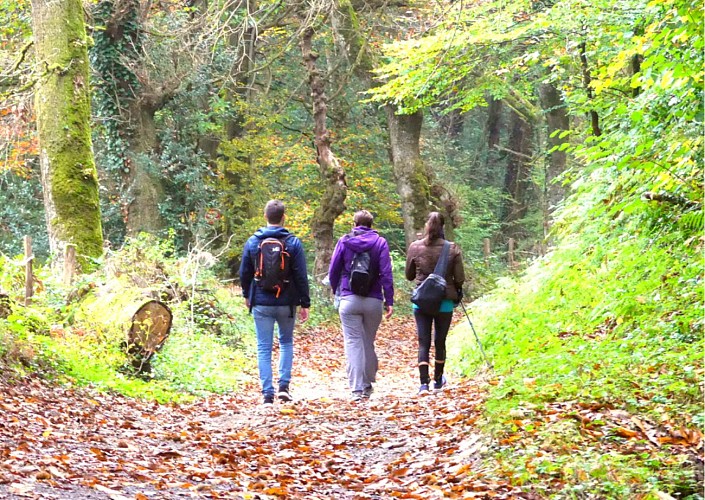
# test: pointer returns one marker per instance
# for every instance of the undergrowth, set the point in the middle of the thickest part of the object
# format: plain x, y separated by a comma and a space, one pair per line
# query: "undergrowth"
611, 319
78, 333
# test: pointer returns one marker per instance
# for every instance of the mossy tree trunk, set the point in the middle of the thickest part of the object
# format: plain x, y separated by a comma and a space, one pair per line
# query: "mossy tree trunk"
62, 105
332, 203
413, 182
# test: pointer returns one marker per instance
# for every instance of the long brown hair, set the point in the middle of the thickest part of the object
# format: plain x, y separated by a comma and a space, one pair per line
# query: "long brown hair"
434, 227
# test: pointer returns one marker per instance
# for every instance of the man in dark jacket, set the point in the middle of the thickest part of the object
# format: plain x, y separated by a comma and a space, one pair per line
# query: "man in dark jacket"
361, 315
270, 307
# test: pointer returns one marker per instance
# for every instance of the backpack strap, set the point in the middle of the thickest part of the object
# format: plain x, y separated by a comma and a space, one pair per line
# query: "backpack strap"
442, 263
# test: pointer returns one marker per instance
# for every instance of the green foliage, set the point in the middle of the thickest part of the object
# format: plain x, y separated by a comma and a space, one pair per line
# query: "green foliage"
211, 342
612, 316
21, 213
117, 43
650, 115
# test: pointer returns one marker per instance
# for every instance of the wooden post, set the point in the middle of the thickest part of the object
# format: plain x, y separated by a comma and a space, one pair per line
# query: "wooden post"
28, 278
486, 251
69, 264
511, 253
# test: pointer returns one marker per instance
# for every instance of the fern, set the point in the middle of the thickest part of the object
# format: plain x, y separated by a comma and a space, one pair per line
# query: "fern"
692, 222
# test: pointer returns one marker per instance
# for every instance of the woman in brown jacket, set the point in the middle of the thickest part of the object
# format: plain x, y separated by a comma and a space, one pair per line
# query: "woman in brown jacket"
421, 260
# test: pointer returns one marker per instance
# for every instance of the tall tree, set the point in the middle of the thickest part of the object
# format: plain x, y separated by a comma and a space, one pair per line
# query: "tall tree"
62, 106
557, 121
518, 174
414, 182
127, 107
332, 203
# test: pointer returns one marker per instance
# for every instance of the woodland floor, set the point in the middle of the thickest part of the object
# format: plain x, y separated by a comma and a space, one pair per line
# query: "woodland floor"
58, 442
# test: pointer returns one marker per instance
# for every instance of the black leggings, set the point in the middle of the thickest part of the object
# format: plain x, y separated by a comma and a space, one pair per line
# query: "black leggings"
424, 324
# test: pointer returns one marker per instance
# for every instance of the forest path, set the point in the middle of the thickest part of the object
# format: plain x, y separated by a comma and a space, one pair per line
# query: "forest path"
60, 443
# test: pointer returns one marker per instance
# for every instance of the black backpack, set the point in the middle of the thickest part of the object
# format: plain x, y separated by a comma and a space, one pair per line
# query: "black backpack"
360, 275
431, 291
272, 266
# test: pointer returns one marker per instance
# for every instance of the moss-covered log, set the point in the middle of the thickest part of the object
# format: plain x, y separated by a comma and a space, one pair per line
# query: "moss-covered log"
62, 105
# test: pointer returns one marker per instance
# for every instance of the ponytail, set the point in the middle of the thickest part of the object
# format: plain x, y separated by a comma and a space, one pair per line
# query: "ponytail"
433, 228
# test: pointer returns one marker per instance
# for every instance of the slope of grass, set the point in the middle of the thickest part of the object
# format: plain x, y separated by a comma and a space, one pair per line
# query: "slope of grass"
608, 325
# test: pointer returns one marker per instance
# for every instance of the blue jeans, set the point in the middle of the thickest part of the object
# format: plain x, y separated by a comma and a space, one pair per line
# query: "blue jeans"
265, 317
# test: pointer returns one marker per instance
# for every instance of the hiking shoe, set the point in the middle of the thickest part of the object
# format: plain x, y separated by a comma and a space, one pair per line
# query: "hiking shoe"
438, 385
367, 392
423, 389
268, 400
357, 396
284, 395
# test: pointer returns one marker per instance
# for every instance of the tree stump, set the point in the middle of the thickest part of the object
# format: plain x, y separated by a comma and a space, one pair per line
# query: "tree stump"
150, 328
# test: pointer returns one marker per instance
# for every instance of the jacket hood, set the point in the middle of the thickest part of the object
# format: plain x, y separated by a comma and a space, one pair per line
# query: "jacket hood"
272, 232
362, 239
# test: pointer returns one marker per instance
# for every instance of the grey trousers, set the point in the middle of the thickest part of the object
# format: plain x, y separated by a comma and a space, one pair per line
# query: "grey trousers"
360, 317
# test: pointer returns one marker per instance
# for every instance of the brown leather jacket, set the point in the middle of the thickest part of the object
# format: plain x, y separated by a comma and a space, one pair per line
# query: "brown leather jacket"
421, 260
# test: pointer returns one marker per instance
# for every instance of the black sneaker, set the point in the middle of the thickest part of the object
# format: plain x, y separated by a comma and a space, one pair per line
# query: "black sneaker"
367, 392
268, 400
284, 395
438, 385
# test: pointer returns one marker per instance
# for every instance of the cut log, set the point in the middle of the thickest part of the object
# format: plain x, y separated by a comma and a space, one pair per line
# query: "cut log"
149, 330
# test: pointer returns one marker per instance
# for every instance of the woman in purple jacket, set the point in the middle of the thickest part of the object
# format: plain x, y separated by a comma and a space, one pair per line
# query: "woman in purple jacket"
361, 312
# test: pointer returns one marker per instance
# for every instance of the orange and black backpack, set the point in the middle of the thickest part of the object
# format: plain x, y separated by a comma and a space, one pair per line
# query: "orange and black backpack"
272, 266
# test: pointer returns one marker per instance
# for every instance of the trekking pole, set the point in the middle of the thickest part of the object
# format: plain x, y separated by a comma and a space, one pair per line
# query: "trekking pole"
487, 361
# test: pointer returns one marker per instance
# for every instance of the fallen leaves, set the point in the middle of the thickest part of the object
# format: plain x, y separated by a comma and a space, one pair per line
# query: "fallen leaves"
394, 445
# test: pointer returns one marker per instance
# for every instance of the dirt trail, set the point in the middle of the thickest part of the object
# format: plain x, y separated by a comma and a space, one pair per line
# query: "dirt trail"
59, 443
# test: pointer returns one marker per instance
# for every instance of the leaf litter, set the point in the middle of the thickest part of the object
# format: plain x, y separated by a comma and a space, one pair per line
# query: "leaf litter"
59, 442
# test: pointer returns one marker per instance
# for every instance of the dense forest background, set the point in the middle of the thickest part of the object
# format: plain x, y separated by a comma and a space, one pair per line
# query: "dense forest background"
562, 139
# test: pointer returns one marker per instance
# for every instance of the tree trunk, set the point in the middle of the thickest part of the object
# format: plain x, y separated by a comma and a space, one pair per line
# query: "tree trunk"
518, 175
241, 73
556, 121
412, 179
332, 203
127, 110
452, 123
493, 128
413, 183
587, 81
145, 190
62, 105
636, 61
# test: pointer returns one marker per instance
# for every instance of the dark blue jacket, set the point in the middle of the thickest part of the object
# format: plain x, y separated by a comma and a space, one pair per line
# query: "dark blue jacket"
363, 239
296, 293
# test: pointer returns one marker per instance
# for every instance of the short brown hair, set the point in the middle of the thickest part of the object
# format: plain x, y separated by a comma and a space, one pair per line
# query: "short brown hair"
274, 211
363, 218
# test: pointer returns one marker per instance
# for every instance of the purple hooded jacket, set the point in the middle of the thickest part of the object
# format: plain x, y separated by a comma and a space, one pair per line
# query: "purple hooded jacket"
363, 239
